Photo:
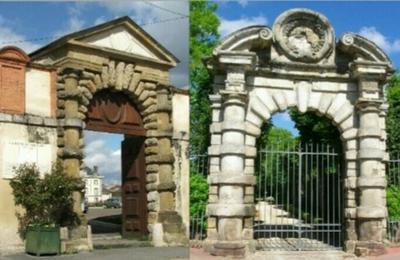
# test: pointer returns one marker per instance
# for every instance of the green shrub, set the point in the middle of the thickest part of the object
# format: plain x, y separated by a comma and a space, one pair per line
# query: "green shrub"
47, 201
198, 194
393, 201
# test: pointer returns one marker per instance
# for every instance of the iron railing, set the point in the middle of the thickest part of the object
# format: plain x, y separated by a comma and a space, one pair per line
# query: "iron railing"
199, 167
393, 197
299, 197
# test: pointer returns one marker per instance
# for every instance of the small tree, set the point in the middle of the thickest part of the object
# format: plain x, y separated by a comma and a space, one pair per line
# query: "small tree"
47, 201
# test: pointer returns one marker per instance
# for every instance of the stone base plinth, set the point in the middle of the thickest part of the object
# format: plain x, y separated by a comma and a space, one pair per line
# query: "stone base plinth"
369, 248
77, 239
233, 249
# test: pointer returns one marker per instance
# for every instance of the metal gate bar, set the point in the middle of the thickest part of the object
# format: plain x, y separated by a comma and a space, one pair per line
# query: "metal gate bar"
392, 191
299, 198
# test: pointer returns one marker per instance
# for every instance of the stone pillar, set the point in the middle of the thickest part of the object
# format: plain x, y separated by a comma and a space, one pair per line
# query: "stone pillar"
72, 124
371, 182
228, 211
170, 223
350, 191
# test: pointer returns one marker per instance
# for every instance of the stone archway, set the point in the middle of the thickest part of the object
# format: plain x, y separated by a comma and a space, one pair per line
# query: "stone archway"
75, 90
298, 63
89, 62
114, 112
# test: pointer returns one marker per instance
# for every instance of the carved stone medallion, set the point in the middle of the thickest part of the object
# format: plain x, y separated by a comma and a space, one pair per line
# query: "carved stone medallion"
304, 35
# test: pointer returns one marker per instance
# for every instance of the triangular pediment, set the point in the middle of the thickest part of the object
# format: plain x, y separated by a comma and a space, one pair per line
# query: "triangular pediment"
121, 36
120, 39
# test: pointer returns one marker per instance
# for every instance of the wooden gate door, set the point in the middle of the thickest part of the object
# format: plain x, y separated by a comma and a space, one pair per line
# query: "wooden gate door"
134, 196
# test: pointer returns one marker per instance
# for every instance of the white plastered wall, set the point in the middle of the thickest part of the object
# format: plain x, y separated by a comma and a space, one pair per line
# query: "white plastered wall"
38, 92
12, 136
180, 121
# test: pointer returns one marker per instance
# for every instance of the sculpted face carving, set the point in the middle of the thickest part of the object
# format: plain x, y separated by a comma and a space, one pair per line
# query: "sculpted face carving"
303, 35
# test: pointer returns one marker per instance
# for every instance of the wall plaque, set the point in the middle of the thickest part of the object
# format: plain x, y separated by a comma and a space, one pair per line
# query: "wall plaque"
16, 153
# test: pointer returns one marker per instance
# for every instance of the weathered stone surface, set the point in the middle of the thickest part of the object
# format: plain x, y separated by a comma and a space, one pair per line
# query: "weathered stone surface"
300, 71
231, 178
231, 210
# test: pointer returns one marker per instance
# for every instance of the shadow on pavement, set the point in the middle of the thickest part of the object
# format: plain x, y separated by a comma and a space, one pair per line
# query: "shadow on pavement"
107, 224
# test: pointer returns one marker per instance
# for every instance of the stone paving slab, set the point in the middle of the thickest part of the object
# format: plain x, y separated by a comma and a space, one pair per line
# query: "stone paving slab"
392, 254
145, 253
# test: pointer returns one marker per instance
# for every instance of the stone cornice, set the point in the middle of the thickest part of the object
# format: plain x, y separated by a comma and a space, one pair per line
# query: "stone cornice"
365, 70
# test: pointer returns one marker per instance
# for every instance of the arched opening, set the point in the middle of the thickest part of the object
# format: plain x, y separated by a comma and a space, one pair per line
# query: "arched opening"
114, 113
299, 192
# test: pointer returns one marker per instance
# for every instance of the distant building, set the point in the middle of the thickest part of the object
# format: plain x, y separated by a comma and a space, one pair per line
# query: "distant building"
115, 190
107, 194
93, 184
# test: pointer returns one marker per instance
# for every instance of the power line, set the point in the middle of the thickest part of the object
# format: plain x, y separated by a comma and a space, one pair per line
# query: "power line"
166, 20
166, 9
58, 36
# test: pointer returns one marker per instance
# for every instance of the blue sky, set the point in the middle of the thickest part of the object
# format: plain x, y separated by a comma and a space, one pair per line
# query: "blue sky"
378, 21
24, 23
30, 25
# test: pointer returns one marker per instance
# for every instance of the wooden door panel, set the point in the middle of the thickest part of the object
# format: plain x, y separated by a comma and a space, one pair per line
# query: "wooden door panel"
134, 195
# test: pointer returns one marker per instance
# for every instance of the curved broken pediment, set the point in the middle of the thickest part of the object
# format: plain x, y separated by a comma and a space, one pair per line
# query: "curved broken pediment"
361, 48
246, 39
301, 37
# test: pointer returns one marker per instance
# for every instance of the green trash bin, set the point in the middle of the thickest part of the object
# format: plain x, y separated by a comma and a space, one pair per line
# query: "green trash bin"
42, 240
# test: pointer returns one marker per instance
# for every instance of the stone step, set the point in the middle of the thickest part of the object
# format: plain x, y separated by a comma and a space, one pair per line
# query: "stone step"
119, 243
274, 214
106, 236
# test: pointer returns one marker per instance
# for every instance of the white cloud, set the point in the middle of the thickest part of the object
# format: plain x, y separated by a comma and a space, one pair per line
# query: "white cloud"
173, 35
243, 3
99, 152
9, 37
100, 20
75, 21
381, 40
229, 26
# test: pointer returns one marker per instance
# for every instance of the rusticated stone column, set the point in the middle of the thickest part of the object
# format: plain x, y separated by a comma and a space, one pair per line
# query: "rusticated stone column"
371, 182
169, 221
72, 125
227, 209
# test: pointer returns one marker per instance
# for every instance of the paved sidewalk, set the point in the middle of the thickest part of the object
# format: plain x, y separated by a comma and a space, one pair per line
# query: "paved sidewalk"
392, 254
145, 253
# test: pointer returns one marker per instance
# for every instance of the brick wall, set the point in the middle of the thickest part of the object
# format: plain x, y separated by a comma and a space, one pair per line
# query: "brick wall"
12, 80
25, 88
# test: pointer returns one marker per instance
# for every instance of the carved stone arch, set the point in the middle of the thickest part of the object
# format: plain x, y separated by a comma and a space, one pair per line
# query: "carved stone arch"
299, 65
76, 89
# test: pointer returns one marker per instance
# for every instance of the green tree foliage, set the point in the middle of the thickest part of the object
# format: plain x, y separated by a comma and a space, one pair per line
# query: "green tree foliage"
270, 170
393, 115
316, 129
393, 201
198, 194
204, 37
393, 146
46, 201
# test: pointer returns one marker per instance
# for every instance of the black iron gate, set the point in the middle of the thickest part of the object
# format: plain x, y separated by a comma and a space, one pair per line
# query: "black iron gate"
299, 198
